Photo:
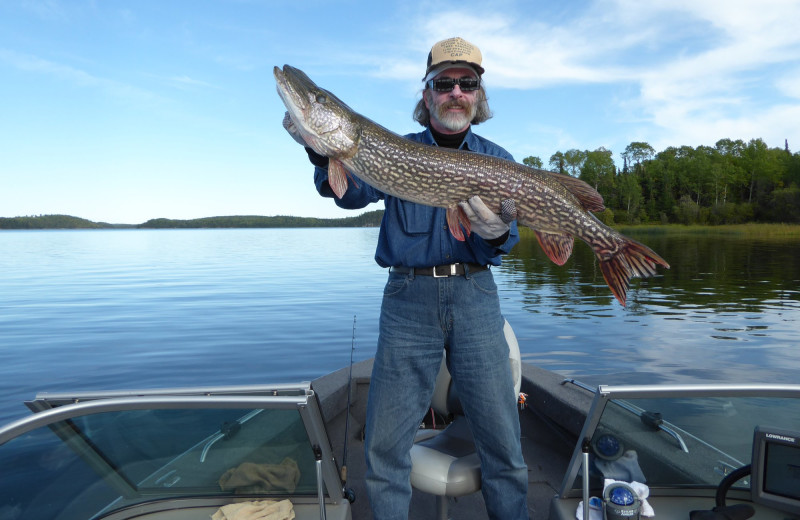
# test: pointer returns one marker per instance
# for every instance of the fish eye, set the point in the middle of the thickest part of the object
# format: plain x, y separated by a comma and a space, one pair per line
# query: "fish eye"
322, 98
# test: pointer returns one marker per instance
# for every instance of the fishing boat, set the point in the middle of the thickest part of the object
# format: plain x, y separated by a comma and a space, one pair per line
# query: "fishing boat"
593, 451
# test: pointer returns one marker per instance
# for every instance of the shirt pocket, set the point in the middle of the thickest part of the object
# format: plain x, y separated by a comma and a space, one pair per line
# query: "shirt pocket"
415, 219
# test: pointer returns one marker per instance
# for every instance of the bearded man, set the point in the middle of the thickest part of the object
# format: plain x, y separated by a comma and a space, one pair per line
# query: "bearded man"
441, 296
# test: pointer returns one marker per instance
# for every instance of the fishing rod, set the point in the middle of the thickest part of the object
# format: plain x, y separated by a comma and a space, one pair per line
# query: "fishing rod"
349, 394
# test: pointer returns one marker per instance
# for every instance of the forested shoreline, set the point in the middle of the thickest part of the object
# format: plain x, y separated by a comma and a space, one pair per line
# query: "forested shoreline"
368, 219
732, 182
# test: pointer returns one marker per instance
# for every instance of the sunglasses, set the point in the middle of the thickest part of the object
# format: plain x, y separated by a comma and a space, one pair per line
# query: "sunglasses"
448, 84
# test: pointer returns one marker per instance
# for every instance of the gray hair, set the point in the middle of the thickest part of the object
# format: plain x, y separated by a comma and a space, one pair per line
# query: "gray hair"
482, 112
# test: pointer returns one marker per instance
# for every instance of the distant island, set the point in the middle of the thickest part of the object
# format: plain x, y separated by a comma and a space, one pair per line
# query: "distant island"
369, 219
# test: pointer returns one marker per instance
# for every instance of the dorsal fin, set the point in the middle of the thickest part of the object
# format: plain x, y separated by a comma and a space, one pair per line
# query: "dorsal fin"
589, 198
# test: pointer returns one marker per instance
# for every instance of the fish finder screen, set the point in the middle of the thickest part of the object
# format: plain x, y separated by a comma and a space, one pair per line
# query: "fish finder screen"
782, 471
775, 466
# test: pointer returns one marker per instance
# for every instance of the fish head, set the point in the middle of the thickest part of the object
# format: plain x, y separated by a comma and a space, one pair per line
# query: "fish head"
325, 122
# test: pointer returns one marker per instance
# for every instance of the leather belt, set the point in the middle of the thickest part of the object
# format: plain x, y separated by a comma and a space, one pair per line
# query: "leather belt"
442, 271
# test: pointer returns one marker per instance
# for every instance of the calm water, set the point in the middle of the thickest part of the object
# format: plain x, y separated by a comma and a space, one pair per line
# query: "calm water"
120, 309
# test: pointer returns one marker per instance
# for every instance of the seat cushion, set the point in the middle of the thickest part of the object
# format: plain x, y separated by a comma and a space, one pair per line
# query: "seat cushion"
447, 464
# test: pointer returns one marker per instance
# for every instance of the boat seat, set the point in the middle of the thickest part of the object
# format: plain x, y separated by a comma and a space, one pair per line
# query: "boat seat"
445, 463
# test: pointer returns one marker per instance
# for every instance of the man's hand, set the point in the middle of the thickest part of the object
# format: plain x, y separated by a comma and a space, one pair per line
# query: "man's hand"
288, 125
485, 223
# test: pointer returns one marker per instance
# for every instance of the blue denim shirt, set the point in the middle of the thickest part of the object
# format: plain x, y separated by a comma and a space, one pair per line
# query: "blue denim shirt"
413, 235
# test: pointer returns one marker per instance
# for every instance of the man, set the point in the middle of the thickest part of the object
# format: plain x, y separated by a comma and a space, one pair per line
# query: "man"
441, 296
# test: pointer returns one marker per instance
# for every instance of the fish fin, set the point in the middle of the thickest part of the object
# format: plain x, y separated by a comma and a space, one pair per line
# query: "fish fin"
456, 219
589, 198
337, 178
557, 246
632, 259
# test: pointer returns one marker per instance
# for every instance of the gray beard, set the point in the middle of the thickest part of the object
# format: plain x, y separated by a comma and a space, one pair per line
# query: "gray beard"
454, 122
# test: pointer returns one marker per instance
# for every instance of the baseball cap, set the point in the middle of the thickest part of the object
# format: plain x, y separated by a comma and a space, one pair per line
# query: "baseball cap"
450, 53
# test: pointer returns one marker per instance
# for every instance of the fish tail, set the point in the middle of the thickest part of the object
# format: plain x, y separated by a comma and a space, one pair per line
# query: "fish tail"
632, 259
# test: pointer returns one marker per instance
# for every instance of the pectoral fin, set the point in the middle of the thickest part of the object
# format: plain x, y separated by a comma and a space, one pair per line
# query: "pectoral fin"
556, 246
456, 219
337, 178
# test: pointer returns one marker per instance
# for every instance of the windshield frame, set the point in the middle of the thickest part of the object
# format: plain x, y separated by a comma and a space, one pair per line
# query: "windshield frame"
57, 412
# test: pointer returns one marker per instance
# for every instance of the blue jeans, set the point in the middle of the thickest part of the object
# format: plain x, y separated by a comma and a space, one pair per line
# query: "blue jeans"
420, 317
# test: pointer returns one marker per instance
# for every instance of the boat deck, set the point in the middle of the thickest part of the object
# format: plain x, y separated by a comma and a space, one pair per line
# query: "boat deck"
547, 443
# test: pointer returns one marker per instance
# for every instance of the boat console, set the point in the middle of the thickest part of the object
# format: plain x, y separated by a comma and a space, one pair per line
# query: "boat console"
686, 449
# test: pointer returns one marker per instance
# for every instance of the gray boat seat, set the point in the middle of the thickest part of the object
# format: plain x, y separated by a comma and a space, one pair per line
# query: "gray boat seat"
444, 463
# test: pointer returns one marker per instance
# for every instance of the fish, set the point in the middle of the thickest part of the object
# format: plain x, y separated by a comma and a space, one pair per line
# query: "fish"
557, 207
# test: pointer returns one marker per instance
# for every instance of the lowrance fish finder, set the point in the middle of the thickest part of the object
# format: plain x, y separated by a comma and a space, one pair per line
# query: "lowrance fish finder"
775, 479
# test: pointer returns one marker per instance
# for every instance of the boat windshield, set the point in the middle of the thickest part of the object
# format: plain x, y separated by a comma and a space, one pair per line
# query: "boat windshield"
87, 459
678, 438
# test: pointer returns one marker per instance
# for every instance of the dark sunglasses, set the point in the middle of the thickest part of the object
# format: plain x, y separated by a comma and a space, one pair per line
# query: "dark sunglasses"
448, 84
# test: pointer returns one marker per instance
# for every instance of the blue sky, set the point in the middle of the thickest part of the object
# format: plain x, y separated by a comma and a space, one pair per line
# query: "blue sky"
122, 111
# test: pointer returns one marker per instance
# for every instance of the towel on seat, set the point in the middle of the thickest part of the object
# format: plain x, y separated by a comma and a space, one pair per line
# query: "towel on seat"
595, 509
249, 477
256, 510
626, 468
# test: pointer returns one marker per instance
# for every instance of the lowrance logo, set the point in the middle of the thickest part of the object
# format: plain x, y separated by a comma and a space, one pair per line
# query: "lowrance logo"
781, 438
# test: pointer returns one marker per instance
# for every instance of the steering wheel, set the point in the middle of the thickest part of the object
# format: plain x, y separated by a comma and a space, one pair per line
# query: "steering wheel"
726, 483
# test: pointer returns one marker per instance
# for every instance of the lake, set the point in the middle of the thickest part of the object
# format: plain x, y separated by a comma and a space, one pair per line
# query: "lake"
86, 310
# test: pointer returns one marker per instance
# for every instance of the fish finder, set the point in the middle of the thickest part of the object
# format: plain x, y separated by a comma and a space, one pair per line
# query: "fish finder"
775, 479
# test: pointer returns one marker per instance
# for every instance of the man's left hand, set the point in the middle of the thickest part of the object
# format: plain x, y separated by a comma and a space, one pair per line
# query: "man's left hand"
485, 223
290, 127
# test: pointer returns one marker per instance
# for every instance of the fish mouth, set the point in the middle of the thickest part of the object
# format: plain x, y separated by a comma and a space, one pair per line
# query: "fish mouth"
298, 93
302, 97
292, 86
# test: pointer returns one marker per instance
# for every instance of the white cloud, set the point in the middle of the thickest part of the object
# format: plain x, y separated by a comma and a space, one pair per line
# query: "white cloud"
45, 9
29, 63
74, 76
186, 81
726, 90
788, 84
695, 70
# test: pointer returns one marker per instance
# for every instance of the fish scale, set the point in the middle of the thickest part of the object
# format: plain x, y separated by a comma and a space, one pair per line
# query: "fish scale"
557, 207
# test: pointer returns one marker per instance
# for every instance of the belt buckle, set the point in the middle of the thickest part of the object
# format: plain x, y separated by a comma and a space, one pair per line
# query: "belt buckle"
451, 273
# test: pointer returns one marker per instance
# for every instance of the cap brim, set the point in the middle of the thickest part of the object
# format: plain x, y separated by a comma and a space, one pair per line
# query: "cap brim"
437, 69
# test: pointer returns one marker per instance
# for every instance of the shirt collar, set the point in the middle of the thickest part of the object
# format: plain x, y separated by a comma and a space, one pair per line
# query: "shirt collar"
468, 144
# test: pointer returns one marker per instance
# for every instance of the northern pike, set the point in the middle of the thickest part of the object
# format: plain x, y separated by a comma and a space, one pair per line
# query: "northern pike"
557, 207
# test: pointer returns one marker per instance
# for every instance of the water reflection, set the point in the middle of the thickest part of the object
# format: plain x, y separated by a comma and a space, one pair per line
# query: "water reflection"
727, 308
122, 309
